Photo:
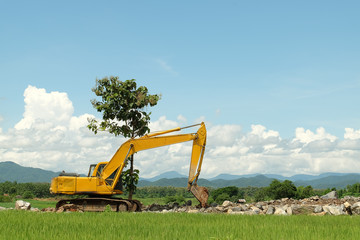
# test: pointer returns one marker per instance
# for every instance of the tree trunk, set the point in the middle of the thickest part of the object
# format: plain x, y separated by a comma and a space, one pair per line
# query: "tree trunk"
131, 175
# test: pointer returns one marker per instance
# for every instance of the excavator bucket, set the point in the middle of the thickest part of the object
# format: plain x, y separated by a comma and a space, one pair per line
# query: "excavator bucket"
201, 194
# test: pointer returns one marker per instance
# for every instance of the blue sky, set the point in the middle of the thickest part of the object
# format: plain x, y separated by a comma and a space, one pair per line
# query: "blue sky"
284, 65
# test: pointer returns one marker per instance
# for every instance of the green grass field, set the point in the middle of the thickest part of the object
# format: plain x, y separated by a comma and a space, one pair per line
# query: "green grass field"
40, 204
110, 225
34, 203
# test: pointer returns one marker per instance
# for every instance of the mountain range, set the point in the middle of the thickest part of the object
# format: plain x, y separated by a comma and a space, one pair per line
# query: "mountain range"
10, 171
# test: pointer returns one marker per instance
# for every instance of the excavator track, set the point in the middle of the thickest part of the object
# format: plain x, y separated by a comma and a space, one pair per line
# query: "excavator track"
100, 204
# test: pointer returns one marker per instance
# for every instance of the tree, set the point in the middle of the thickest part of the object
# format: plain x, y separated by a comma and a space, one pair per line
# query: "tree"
279, 189
123, 107
304, 192
231, 193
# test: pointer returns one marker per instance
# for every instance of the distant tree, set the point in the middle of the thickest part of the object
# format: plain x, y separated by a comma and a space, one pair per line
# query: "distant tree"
177, 198
261, 194
284, 189
354, 189
28, 195
123, 105
222, 197
230, 193
304, 192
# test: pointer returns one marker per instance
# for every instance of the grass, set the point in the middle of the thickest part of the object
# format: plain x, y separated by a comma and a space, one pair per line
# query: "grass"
40, 204
40, 225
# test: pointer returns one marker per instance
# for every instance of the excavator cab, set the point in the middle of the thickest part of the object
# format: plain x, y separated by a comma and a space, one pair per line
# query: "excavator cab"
91, 169
96, 169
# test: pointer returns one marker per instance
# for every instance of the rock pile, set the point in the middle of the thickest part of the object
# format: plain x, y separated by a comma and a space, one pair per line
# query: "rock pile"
327, 204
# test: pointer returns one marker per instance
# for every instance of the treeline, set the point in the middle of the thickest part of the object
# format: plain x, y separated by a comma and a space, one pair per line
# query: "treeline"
276, 190
9, 190
285, 189
180, 194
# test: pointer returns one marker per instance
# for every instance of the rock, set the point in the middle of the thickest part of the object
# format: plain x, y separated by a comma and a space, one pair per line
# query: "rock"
22, 205
318, 209
19, 204
220, 208
227, 203
48, 209
270, 210
349, 198
356, 205
69, 208
334, 210
188, 203
34, 209
259, 205
303, 209
155, 207
210, 210
314, 198
330, 195
236, 209
241, 201
2, 208
173, 205
355, 208
289, 210
279, 211
256, 210
182, 209
245, 207
347, 207
193, 211
347, 204
214, 204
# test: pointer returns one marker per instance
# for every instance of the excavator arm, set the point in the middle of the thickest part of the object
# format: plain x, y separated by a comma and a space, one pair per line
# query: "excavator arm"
115, 166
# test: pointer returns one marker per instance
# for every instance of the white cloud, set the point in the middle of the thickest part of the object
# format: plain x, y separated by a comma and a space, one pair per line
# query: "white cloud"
41, 107
50, 137
352, 134
162, 124
164, 65
307, 136
182, 120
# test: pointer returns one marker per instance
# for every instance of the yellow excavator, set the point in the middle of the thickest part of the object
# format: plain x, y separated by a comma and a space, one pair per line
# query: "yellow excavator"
104, 179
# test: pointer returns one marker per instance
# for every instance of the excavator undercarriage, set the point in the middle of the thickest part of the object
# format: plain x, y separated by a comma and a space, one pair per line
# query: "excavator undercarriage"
99, 204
